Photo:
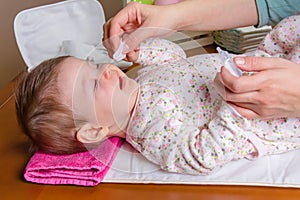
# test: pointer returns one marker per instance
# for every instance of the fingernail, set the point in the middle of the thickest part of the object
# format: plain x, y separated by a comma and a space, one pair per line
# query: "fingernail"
239, 60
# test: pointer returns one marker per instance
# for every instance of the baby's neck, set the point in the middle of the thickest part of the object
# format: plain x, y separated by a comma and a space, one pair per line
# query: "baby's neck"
120, 129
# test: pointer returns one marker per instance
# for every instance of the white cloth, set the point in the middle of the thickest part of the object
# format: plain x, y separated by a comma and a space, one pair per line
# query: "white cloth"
97, 54
240, 40
119, 55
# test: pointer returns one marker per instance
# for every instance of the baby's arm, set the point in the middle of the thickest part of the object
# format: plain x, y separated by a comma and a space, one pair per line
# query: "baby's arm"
159, 51
283, 39
203, 149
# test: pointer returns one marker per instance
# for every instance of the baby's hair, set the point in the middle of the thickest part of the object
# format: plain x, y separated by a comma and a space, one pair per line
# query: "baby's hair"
42, 117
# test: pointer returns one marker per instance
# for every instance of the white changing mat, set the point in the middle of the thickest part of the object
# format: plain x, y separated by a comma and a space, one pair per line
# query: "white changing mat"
40, 33
276, 170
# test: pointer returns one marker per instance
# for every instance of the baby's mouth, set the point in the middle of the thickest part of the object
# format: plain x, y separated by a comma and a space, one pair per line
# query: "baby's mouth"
122, 82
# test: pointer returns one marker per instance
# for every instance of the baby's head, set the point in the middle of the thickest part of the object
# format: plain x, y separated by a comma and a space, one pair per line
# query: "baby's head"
67, 105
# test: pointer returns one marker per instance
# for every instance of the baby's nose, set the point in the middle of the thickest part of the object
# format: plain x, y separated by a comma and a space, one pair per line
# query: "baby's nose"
109, 71
107, 74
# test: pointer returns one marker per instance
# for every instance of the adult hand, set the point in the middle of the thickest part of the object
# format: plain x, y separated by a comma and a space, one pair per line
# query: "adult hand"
134, 23
272, 91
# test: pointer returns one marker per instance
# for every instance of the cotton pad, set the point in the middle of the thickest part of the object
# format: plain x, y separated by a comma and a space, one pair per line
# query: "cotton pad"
118, 55
228, 63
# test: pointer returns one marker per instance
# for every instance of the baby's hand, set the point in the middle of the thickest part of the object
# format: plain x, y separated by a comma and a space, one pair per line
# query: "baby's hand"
130, 56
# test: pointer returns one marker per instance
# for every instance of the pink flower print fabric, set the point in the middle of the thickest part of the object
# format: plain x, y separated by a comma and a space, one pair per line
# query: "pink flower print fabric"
181, 124
284, 40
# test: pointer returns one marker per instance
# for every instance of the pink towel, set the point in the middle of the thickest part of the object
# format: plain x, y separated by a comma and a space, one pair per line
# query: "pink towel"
85, 168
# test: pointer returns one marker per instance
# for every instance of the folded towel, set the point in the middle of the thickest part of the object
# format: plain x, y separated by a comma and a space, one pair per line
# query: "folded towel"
85, 168
241, 40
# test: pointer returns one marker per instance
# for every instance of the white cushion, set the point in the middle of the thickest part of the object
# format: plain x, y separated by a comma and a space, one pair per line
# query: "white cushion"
41, 31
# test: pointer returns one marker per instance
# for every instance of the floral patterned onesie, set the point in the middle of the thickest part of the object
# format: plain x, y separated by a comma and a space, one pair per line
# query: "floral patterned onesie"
284, 40
181, 124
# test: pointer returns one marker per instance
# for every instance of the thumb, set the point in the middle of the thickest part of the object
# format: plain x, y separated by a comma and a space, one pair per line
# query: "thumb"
255, 64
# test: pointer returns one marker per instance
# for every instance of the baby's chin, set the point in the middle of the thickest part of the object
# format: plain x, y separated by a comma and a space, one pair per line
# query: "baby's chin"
134, 97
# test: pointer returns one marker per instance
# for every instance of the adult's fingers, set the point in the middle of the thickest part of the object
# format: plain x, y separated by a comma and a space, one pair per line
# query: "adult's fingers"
242, 84
256, 64
127, 20
109, 40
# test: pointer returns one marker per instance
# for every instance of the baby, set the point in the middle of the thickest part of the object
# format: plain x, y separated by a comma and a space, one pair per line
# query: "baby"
170, 113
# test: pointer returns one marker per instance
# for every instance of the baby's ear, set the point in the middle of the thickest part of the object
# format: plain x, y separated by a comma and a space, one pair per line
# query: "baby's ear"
89, 133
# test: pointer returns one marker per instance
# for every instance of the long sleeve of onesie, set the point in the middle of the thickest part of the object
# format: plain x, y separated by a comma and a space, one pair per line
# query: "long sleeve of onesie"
159, 51
284, 40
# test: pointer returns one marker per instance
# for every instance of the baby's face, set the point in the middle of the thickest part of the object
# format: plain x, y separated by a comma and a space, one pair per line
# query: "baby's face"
102, 94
